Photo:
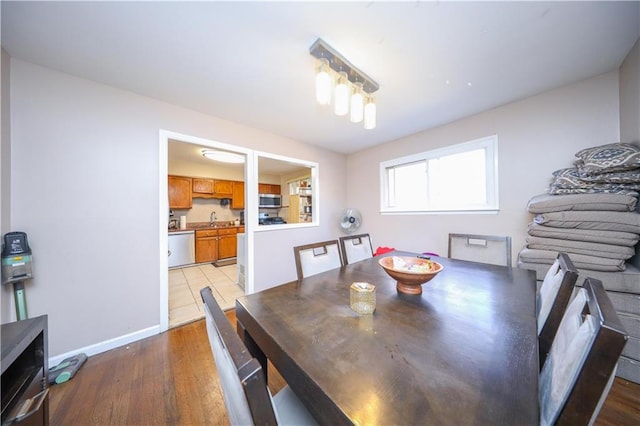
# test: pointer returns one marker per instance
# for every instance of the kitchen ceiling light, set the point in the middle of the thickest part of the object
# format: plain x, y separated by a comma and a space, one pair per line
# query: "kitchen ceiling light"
348, 79
223, 156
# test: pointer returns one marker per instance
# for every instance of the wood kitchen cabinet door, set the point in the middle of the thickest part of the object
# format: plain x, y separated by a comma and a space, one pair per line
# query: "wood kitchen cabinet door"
227, 243
237, 198
269, 188
206, 246
223, 187
203, 186
179, 192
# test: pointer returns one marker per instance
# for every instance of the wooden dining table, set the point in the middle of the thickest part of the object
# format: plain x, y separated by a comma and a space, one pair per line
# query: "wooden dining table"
463, 352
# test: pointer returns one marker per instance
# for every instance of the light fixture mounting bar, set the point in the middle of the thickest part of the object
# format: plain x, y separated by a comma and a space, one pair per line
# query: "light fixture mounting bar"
337, 62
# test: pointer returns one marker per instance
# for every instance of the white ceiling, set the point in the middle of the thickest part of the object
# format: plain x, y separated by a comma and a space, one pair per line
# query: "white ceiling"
248, 62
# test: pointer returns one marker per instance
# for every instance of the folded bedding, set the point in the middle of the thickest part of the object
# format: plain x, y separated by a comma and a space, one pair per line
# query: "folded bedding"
546, 203
581, 261
627, 239
609, 251
601, 220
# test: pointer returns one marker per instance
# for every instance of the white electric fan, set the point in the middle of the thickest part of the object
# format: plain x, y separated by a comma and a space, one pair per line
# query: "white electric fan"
350, 220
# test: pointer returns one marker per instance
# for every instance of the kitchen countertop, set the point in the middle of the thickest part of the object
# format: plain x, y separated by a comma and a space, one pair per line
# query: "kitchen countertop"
194, 226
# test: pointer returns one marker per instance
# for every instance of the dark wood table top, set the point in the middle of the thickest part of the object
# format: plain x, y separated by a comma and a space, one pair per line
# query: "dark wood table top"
463, 352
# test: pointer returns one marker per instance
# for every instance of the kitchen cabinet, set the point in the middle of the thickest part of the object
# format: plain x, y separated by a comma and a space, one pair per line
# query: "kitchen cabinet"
206, 245
227, 243
269, 188
211, 188
300, 209
203, 186
237, 198
180, 195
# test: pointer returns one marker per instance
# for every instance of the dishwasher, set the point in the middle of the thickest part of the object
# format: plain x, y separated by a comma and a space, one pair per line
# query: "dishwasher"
182, 250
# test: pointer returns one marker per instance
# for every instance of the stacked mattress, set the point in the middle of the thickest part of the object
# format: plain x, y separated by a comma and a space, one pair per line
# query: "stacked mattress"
599, 228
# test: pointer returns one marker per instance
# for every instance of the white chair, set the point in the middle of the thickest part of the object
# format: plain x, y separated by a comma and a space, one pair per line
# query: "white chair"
314, 258
552, 300
356, 248
242, 379
580, 368
480, 248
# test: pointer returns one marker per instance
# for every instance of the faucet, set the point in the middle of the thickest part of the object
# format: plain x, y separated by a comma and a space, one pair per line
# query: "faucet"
212, 218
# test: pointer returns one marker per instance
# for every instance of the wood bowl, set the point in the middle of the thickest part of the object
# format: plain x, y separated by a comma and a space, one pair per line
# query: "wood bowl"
410, 282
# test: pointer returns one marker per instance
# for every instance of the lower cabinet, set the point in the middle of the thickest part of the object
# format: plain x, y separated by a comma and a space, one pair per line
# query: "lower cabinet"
216, 244
227, 243
206, 245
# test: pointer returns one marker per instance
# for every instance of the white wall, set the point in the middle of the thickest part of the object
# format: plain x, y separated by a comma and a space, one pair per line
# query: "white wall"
630, 96
6, 294
536, 136
85, 185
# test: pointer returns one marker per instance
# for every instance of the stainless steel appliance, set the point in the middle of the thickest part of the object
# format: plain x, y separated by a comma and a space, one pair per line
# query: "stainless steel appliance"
270, 201
265, 219
182, 249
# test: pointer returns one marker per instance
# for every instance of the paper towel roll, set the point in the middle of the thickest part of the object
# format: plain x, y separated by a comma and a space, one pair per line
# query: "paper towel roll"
183, 222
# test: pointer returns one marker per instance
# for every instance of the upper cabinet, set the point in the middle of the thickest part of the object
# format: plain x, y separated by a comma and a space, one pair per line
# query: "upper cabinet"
179, 192
269, 188
237, 200
211, 188
203, 186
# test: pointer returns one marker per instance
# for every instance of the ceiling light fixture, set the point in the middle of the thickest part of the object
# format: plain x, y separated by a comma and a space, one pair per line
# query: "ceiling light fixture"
370, 113
223, 156
352, 86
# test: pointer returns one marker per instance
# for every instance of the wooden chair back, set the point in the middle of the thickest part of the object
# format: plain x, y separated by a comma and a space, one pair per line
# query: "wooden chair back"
495, 250
580, 368
314, 258
241, 376
356, 248
553, 299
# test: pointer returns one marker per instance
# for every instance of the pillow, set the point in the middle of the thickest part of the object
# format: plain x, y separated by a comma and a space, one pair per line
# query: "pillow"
570, 179
608, 158
628, 176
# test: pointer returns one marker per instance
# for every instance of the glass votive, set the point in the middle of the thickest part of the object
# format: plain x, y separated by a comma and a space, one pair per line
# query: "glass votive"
362, 298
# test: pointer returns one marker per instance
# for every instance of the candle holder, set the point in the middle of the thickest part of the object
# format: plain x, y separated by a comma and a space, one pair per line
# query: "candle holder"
362, 298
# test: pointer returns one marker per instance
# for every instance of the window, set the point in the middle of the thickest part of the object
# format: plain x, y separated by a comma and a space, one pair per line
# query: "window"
458, 178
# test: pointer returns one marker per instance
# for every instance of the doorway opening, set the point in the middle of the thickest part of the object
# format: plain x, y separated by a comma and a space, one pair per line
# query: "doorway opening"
201, 231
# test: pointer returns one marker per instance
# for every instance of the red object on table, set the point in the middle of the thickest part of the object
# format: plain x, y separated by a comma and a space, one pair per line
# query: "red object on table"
383, 250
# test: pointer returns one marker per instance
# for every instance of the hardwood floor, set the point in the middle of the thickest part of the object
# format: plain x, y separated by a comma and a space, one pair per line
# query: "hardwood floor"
171, 379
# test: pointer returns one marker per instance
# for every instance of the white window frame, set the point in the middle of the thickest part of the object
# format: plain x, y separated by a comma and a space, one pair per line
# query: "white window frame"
488, 143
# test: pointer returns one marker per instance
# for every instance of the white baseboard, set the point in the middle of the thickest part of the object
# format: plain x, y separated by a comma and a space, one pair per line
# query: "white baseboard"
107, 344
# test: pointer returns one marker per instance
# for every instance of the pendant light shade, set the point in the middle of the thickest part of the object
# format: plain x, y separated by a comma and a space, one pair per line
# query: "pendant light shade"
341, 96
323, 83
370, 113
357, 103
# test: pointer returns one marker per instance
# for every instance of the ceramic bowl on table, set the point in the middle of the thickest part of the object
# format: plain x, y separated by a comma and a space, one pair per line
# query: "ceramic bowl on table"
410, 272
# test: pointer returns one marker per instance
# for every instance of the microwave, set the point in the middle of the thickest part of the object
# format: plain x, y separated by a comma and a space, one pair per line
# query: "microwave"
270, 201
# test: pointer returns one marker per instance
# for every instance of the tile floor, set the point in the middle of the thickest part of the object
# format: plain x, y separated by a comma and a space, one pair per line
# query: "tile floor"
185, 304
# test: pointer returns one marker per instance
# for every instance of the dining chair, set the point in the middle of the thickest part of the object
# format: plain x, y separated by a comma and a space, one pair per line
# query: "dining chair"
314, 258
355, 248
246, 396
580, 367
552, 300
495, 250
